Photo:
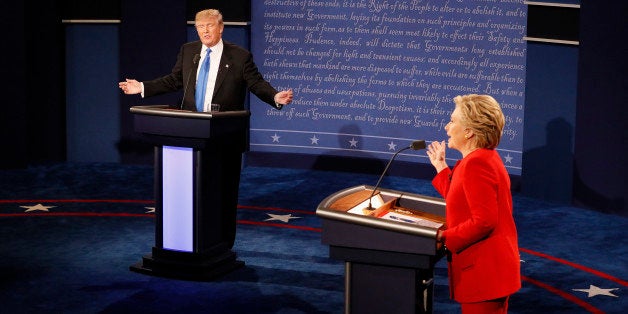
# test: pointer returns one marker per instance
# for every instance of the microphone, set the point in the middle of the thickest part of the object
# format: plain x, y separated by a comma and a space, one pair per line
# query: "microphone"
416, 145
197, 57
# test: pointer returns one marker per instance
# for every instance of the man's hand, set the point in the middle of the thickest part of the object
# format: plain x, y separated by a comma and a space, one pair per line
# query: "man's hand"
284, 97
130, 86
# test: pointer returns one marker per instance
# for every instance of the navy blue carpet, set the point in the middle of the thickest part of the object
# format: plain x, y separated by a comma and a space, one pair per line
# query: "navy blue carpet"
69, 233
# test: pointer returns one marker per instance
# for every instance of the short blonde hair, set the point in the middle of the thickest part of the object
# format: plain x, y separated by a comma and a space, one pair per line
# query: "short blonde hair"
483, 115
209, 13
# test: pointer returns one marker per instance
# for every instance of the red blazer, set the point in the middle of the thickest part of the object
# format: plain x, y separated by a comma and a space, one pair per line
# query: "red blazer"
481, 233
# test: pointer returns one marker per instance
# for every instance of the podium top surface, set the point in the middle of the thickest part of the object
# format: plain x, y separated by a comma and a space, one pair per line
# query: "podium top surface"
166, 111
429, 207
191, 129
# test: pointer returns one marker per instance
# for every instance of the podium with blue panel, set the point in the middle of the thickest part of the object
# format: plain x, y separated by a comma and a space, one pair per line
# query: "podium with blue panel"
387, 240
198, 158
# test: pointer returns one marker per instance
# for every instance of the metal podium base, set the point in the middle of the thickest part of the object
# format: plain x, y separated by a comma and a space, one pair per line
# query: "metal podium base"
187, 265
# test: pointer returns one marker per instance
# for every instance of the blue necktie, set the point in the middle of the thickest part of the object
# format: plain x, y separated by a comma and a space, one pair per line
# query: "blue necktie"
201, 83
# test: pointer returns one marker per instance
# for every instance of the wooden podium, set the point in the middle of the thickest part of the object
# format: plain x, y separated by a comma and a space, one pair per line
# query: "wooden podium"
197, 173
389, 252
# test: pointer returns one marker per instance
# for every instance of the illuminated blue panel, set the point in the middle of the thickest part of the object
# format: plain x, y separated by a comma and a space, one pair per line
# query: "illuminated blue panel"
178, 201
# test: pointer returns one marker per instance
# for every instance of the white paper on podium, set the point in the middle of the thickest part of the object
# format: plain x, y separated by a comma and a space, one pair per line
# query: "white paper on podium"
412, 220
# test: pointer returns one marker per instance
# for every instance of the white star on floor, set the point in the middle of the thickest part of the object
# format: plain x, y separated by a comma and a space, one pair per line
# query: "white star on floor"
392, 146
283, 218
314, 140
37, 207
595, 291
275, 138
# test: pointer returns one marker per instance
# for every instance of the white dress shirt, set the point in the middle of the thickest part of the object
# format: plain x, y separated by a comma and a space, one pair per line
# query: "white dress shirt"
214, 63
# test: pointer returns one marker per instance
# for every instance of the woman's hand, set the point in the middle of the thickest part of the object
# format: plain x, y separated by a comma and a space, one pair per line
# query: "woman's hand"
436, 153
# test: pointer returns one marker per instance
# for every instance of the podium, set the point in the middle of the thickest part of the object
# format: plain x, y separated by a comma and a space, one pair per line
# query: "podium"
197, 174
389, 252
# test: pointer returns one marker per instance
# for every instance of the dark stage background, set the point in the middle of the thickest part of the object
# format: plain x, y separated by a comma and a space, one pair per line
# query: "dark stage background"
69, 143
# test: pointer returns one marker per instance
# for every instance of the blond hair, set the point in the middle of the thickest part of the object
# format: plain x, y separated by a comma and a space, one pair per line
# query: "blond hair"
209, 13
483, 115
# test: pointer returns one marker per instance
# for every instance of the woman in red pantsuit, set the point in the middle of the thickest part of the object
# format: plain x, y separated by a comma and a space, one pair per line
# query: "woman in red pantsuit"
480, 232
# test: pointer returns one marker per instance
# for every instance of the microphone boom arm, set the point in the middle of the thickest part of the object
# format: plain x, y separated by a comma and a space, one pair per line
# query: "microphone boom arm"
197, 57
382, 176
416, 145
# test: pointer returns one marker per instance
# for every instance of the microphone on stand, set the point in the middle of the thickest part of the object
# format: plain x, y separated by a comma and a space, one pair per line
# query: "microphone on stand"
416, 145
197, 57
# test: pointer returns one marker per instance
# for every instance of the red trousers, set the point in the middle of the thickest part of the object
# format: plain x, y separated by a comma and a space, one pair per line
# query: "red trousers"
491, 306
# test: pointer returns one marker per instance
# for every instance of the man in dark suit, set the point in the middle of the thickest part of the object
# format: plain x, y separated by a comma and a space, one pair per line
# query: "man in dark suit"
231, 72
222, 74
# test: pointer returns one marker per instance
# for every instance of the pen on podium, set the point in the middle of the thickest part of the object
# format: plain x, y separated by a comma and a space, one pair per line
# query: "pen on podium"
401, 219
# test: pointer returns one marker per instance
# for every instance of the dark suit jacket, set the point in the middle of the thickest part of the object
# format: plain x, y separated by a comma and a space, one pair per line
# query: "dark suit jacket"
236, 73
